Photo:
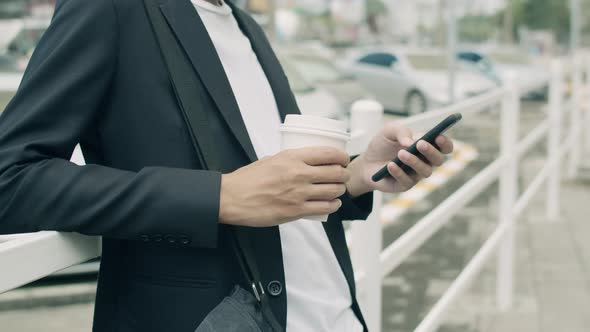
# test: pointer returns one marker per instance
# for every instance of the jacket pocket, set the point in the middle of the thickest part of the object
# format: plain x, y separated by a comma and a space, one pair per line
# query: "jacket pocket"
173, 281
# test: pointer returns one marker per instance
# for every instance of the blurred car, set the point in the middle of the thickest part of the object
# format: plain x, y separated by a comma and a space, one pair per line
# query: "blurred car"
25, 41
312, 100
413, 81
507, 66
322, 73
9, 30
9, 64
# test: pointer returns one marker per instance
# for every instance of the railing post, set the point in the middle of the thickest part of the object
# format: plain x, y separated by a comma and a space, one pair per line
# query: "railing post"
576, 118
366, 116
509, 127
587, 108
554, 140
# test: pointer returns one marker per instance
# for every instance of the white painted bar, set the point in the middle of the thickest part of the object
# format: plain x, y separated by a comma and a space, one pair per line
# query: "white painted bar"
575, 157
508, 189
29, 257
397, 252
432, 321
367, 118
555, 118
468, 106
532, 139
9, 82
587, 94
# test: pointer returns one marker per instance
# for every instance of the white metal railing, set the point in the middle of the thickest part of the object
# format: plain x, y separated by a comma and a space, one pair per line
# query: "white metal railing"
372, 264
24, 258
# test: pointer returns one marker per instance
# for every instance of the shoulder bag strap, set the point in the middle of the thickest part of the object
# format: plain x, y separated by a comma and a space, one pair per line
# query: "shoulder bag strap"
188, 92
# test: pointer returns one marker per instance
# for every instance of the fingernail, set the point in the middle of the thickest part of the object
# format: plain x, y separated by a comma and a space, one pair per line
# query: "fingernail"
403, 155
423, 146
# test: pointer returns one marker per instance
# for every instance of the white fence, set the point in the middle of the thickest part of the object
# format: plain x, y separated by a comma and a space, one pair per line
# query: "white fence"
25, 258
372, 264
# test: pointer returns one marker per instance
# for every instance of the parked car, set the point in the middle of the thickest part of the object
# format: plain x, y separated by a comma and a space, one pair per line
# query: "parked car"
312, 100
322, 73
413, 81
506, 66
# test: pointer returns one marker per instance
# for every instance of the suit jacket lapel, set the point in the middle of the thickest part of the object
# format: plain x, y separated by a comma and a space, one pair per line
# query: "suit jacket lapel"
194, 38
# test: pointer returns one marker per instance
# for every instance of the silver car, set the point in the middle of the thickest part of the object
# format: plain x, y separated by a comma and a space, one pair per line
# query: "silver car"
413, 81
507, 66
311, 99
321, 72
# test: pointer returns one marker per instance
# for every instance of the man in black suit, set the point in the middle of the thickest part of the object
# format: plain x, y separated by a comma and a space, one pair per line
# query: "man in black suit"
97, 77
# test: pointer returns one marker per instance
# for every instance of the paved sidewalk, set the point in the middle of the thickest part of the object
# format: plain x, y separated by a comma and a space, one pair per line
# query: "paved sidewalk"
552, 274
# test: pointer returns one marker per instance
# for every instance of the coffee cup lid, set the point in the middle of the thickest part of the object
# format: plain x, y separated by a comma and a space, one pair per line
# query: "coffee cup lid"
315, 122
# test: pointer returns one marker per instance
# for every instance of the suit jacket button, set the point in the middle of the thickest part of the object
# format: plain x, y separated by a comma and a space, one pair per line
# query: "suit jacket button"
170, 239
275, 288
145, 238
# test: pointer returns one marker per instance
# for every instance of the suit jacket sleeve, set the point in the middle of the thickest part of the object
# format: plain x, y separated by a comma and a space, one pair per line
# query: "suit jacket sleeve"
357, 208
59, 98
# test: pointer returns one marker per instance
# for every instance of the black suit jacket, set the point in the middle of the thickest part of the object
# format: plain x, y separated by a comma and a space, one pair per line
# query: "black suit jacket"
97, 77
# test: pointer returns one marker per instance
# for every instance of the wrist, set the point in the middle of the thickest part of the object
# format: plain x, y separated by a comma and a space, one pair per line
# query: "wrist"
225, 200
357, 186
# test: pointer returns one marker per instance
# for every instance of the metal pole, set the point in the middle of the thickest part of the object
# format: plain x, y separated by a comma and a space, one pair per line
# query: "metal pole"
574, 25
576, 118
509, 122
451, 46
272, 23
554, 139
367, 237
587, 132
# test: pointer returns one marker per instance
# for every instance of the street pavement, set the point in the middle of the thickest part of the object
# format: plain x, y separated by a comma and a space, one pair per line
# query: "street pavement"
552, 263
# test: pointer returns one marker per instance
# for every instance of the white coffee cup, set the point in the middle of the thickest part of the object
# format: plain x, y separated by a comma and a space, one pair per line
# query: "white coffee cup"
300, 131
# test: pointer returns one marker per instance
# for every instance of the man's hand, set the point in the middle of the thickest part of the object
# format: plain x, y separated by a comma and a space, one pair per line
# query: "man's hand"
285, 187
391, 141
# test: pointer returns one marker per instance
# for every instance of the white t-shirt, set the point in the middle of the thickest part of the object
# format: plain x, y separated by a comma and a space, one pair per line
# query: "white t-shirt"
318, 297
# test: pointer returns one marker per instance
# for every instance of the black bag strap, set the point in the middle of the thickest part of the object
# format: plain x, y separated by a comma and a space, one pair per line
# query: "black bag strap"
188, 91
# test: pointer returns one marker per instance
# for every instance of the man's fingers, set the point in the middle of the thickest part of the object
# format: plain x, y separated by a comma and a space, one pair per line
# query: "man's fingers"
403, 179
320, 155
434, 156
325, 192
444, 144
398, 133
329, 174
420, 167
311, 208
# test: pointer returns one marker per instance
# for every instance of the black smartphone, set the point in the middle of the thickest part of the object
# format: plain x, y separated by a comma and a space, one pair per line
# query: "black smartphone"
429, 137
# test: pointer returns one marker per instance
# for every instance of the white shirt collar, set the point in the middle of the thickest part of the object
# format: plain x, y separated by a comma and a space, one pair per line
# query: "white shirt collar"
224, 9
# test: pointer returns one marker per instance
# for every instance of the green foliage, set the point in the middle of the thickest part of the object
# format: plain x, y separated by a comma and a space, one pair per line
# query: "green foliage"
476, 28
543, 14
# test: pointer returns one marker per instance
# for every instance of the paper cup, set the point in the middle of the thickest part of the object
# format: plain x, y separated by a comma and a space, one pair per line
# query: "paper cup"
300, 131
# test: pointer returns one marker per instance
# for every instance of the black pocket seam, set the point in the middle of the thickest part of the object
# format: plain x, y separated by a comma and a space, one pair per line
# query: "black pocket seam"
174, 281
